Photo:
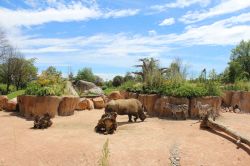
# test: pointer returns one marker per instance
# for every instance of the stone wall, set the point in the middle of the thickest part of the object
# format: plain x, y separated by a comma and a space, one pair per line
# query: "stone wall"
155, 105
30, 106
237, 98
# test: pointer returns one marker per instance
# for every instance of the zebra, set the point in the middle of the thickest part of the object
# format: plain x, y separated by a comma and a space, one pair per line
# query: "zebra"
181, 108
205, 111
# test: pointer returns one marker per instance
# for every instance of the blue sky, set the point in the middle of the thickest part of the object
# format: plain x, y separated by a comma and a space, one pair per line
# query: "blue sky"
111, 35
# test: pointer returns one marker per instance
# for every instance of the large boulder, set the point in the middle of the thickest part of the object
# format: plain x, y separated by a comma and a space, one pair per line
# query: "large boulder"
214, 101
115, 95
85, 104
11, 105
90, 104
88, 87
68, 105
3, 101
30, 106
99, 102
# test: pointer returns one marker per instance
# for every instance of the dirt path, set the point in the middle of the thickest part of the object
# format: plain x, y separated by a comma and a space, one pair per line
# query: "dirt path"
72, 141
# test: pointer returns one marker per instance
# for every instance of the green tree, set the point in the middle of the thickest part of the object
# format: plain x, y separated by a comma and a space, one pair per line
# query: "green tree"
25, 71
8, 67
151, 73
117, 81
239, 66
86, 74
99, 81
128, 77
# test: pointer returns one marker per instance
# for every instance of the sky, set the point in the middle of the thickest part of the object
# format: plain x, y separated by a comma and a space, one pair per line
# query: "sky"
111, 35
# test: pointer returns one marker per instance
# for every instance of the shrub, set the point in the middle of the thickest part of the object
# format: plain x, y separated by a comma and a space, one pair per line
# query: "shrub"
117, 81
3, 88
35, 88
239, 85
132, 86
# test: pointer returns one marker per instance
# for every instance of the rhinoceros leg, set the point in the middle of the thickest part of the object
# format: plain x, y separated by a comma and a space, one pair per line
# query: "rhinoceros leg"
130, 118
136, 117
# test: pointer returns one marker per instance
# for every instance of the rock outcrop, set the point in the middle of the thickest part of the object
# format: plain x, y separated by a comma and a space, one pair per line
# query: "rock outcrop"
88, 87
68, 105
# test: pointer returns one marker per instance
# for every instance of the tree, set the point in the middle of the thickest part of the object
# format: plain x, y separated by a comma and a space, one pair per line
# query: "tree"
150, 72
86, 74
128, 77
25, 71
99, 81
177, 72
4, 45
239, 65
7, 68
117, 81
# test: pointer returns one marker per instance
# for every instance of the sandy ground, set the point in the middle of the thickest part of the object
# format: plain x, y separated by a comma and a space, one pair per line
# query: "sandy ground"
72, 141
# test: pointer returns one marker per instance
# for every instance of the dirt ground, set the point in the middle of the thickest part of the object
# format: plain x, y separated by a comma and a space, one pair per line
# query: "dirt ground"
72, 141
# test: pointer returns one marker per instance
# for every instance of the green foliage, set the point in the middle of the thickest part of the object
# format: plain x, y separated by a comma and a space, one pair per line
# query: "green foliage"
239, 85
3, 88
128, 77
239, 65
37, 89
15, 94
177, 72
85, 74
132, 86
117, 81
49, 83
104, 161
107, 91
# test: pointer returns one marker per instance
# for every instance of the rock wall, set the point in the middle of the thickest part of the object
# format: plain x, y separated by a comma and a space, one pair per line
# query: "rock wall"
155, 105
30, 106
237, 98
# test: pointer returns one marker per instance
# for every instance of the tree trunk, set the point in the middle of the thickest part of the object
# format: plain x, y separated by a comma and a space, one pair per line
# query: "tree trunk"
218, 126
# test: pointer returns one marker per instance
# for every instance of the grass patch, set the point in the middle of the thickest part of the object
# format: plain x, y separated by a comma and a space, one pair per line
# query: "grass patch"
15, 94
104, 161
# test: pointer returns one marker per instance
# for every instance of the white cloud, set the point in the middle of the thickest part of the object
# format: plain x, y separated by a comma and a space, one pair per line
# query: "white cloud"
225, 7
152, 33
62, 13
167, 21
179, 4
224, 32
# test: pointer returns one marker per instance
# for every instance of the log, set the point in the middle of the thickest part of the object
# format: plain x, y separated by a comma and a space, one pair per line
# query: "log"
208, 122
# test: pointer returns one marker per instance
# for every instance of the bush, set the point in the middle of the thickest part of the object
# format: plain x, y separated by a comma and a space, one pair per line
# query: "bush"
183, 90
239, 85
49, 83
3, 88
117, 81
132, 86
35, 88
